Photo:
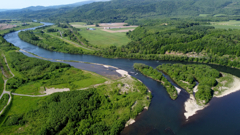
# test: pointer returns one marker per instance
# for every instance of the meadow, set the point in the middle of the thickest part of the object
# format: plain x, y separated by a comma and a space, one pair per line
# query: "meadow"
204, 15
3, 101
102, 38
232, 24
1, 83
31, 25
41, 73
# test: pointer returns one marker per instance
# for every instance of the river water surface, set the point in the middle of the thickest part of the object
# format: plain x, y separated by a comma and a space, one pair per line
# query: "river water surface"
165, 116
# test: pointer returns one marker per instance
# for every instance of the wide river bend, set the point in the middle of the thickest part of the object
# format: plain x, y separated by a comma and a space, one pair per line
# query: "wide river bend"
165, 116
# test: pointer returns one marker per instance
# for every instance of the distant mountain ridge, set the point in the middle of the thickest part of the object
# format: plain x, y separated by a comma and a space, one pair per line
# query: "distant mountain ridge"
37, 8
122, 10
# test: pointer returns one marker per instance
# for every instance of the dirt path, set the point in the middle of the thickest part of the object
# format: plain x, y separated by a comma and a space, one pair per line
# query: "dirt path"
4, 89
28, 95
68, 41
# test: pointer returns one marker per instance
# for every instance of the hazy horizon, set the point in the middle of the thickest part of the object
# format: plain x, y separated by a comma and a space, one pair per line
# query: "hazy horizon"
19, 4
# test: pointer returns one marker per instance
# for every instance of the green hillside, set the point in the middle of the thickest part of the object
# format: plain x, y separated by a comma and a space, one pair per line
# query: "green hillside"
132, 10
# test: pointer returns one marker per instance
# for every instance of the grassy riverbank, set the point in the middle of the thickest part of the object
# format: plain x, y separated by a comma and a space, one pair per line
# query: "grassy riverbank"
102, 108
31, 25
187, 75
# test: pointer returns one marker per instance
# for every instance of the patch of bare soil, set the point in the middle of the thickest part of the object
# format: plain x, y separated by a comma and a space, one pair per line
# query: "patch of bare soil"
6, 26
54, 90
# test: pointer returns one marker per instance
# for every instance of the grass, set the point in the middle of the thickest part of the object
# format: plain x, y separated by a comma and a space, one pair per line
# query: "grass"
35, 88
104, 39
218, 15
129, 28
204, 15
3, 101
224, 83
232, 24
1, 83
65, 39
78, 23
19, 105
4, 66
121, 107
32, 24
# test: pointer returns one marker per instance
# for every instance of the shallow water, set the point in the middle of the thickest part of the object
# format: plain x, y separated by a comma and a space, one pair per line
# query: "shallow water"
164, 116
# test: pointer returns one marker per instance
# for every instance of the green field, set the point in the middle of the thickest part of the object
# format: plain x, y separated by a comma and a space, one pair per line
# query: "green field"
1, 82
36, 87
19, 105
217, 15
204, 15
77, 23
65, 39
3, 101
104, 39
32, 24
129, 28
232, 24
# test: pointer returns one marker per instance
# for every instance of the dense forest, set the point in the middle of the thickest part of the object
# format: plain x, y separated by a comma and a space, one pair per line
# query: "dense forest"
187, 75
132, 11
193, 43
158, 76
100, 110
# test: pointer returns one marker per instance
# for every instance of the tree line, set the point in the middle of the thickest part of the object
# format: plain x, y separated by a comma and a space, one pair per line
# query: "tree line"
158, 76
187, 75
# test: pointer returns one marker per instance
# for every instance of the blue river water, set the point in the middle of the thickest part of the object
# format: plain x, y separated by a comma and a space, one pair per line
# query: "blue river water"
164, 116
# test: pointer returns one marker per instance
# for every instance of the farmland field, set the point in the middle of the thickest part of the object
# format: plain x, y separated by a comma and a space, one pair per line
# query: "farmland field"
204, 15
103, 38
232, 24
106, 38
217, 15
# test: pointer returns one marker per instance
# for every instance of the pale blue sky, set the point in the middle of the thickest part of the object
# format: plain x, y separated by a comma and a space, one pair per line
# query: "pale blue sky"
17, 4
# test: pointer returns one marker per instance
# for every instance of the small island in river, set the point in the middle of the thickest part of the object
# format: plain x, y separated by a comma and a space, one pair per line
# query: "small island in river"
201, 81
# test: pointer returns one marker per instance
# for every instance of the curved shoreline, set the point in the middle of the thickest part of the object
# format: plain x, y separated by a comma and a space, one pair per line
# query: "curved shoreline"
191, 106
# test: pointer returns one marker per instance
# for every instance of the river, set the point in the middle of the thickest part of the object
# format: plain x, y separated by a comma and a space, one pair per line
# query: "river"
164, 115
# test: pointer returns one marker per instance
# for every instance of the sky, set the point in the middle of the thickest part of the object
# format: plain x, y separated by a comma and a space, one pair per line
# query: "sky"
18, 4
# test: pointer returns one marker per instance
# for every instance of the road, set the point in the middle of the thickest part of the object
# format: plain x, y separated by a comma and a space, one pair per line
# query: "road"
4, 89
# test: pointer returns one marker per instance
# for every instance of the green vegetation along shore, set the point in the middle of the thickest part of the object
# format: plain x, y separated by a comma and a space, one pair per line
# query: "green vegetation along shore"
158, 76
48, 42
103, 107
180, 41
187, 75
27, 25
174, 41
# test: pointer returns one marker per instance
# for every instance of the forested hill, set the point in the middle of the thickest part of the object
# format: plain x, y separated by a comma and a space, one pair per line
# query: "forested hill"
132, 10
121, 10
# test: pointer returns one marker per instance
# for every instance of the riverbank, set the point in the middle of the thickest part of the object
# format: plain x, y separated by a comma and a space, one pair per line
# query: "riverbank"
235, 87
191, 106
